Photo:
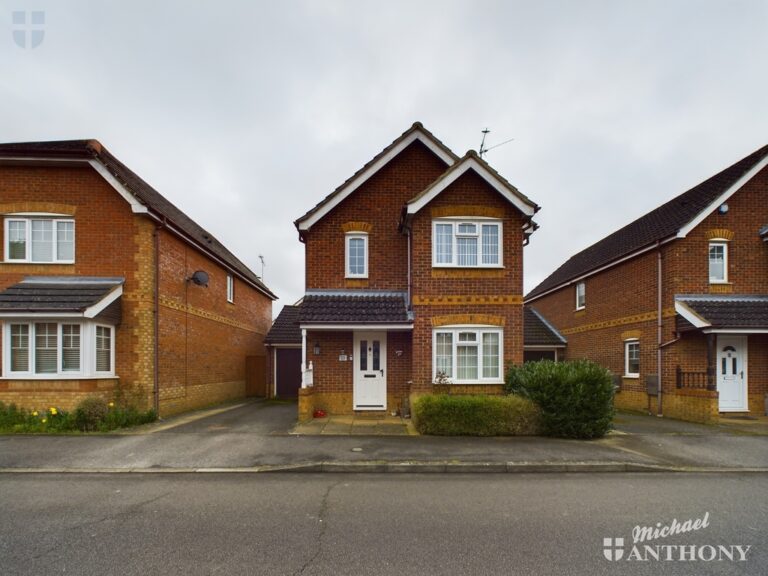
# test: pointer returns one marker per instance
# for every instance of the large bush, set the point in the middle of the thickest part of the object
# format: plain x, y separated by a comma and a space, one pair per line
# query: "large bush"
575, 398
445, 415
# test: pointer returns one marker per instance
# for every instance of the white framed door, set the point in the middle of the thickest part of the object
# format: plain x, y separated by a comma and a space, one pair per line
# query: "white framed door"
369, 388
732, 372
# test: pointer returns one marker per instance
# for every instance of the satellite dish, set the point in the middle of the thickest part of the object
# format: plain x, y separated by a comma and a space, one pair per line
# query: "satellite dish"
200, 278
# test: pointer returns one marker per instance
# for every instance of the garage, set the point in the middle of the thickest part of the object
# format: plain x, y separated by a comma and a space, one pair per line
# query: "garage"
283, 343
287, 372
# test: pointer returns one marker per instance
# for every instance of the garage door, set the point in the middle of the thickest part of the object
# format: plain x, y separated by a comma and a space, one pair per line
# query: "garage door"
288, 372
534, 355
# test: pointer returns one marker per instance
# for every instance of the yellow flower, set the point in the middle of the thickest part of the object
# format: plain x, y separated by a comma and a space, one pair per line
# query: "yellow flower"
53, 411
34, 413
44, 420
111, 404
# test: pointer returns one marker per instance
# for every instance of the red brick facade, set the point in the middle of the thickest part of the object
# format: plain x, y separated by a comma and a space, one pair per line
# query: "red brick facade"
621, 303
203, 340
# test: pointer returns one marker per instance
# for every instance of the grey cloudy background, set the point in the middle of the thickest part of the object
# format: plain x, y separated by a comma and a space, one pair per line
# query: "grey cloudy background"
245, 114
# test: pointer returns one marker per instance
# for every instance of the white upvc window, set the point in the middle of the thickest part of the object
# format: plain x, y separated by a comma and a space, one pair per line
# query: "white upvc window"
581, 295
632, 358
39, 240
356, 255
718, 262
230, 288
467, 243
40, 349
468, 354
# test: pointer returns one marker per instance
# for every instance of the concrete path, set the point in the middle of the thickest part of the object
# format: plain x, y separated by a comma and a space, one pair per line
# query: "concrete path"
256, 436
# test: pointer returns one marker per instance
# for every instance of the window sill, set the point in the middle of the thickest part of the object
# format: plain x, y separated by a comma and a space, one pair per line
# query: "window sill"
580, 308
356, 277
43, 377
720, 283
632, 376
30, 263
457, 267
474, 383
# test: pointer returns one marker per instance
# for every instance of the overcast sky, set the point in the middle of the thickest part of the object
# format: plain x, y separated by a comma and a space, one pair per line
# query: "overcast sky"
246, 114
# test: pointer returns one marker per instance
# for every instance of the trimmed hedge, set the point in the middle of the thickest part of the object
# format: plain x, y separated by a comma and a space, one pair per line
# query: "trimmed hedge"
575, 398
445, 415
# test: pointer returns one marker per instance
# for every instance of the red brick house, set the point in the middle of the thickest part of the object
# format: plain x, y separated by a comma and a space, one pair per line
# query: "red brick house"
681, 292
107, 287
413, 267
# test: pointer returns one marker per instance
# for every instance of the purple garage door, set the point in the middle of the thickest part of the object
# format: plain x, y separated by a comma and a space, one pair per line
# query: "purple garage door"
288, 372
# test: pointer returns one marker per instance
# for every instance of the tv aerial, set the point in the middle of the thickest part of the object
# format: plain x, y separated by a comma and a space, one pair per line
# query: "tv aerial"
483, 149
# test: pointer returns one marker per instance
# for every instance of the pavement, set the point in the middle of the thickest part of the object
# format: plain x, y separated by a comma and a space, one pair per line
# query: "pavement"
259, 437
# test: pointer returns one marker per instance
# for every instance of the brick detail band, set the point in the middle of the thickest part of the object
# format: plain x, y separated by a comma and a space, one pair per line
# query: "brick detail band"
467, 210
647, 316
720, 233
631, 334
46, 207
199, 312
353, 283
488, 319
721, 288
356, 227
459, 300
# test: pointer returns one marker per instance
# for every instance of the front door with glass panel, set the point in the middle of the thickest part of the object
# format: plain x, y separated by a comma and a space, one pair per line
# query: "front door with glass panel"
732, 373
370, 377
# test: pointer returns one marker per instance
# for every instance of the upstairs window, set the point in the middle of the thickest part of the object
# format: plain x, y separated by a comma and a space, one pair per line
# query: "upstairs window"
230, 288
581, 295
718, 262
466, 243
39, 240
356, 255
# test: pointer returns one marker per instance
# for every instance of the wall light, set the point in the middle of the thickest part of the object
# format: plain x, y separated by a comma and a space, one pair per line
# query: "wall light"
316, 349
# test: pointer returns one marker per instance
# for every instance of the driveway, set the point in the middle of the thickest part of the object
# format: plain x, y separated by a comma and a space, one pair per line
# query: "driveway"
260, 417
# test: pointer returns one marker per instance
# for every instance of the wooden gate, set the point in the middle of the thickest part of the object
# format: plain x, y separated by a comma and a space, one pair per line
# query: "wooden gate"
256, 376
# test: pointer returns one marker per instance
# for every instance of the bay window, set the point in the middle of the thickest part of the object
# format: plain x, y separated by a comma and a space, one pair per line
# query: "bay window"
39, 240
468, 355
467, 243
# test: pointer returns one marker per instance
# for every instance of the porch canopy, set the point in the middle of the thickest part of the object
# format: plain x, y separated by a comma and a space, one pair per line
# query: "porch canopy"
64, 297
348, 310
747, 314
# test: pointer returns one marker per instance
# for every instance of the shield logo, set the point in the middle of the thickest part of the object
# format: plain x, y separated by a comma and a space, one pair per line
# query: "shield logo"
613, 548
28, 28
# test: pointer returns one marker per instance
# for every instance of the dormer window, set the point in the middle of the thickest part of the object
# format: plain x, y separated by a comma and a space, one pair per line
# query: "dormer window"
718, 262
466, 243
356, 257
39, 240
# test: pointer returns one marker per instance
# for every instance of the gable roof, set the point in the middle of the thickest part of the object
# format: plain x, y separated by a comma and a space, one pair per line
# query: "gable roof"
674, 219
414, 133
142, 197
285, 329
472, 161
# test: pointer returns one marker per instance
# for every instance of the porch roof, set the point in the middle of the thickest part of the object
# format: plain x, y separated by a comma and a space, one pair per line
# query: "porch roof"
74, 296
354, 307
707, 312
537, 331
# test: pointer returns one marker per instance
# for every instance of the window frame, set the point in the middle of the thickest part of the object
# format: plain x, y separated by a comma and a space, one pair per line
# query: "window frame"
478, 222
627, 343
348, 237
479, 331
27, 220
87, 350
581, 303
230, 288
724, 244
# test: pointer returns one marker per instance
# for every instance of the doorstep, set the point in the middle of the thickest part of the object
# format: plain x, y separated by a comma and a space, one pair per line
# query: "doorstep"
356, 425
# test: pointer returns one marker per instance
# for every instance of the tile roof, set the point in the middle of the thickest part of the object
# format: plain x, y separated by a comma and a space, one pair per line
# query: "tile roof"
354, 308
764, 231
537, 331
659, 224
285, 329
41, 294
156, 202
729, 312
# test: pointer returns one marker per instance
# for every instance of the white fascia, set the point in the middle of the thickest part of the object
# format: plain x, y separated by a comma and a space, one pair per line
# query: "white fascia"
471, 163
99, 307
350, 327
686, 312
372, 169
735, 187
136, 206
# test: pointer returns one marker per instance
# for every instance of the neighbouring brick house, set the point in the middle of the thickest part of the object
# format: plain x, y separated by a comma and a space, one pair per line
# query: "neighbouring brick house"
681, 292
413, 266
107, 287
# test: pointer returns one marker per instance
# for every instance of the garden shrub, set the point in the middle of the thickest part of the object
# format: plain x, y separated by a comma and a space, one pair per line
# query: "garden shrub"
90, 413
446, 415
575, 398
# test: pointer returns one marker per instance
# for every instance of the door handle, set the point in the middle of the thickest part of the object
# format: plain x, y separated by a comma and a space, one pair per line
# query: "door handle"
382, 371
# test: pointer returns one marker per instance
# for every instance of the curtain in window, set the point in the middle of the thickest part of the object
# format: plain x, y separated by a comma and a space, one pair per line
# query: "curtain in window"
490, 355
356, 256
70, 348
17, 240
444, 353
65, 240
46, 345
444, 240
19, 348
466, 249
490, 244
103, 349
42, 240
466, 356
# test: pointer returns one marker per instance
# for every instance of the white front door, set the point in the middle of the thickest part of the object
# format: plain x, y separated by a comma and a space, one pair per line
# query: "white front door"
370, 378
732, 372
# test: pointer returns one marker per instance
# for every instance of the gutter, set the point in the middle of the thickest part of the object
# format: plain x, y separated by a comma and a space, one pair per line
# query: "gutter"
659, 330
156, 367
